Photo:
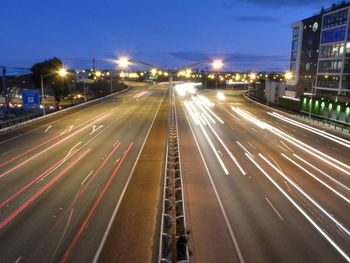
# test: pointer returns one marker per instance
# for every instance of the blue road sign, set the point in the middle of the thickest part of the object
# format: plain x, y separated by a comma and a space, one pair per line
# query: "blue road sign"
30, 98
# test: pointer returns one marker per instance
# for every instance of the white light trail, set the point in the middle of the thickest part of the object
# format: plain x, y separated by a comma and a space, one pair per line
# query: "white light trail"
313, 223
340, 225
316, 153
317, 179
327, 135
226, 149
322, 172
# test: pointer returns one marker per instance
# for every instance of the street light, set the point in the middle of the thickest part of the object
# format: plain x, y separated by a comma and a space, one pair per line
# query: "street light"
123, 62
217, 64
288, 75
61, 72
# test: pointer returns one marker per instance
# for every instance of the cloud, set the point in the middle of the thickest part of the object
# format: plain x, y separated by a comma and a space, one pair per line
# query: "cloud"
259, 19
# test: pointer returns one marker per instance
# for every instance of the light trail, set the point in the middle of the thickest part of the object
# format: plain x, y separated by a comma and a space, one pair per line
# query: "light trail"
42, 190
210, 143
340, 225
44, 143
50, 147
313, 223
324, 134
205, 105
81, 229
322, 172
317, 179
226, 149
316, 153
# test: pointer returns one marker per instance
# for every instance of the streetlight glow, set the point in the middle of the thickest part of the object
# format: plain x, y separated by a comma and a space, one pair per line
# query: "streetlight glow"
217, 64
123, 62
288, 75
62, 72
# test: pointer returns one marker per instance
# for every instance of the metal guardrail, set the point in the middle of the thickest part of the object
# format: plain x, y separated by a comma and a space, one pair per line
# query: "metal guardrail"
173, 241
339, 126
23, 123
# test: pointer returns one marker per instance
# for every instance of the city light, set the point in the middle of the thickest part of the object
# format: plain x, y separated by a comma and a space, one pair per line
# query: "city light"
217, 64
62, 72
288, 75
123, 62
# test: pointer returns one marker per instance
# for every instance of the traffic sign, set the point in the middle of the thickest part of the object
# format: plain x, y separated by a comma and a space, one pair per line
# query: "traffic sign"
30, 98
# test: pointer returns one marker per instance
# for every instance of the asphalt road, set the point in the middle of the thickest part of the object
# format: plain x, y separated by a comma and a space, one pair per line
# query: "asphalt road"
259, 187
61, 181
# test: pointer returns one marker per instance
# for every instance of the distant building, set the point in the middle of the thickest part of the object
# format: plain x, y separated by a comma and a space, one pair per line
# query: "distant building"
320, 53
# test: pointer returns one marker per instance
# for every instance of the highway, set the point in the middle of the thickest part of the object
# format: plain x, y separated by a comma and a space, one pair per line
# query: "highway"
61, 181
261, 186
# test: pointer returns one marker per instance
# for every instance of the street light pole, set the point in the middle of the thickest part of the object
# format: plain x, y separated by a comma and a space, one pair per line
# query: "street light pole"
42, 92
111, 82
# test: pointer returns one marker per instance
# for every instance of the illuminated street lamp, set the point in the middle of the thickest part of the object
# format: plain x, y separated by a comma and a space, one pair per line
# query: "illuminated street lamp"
217, 64
61, 72
288, 75
123, 62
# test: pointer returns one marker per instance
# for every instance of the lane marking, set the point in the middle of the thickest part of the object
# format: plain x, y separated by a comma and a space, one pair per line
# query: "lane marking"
274, 209
81, 229
9, 151
70, 128
313, 223
228, 225
87, 177
37, 194
48, 128
114, 214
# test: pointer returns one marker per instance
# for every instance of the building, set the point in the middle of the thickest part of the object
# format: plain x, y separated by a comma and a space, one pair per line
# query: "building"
320, 54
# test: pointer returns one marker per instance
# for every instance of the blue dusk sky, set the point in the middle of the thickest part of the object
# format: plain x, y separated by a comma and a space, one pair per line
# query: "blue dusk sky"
248, 34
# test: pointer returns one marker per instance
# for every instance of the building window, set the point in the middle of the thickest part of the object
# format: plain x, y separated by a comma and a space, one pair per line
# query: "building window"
333, 35
332, 51
347, 50
329, 66
346, 82
294, 56
347, 66
335, 19
328, 82
295, 44
295, 32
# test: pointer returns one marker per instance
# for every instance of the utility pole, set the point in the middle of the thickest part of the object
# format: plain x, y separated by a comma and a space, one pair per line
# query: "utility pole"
5, 88
111, 81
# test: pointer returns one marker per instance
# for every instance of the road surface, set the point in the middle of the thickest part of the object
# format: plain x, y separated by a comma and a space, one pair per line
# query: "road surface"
61, 181
260, 187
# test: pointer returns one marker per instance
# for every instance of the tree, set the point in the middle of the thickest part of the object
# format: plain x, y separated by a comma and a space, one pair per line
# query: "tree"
48, 69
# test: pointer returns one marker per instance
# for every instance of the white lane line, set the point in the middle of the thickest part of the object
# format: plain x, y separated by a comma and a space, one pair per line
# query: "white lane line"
114, 214
313, 223
232, 235
9, 151
70, 128
94, 129
254, 130
87, 177
274, 209
114, 144
47, 129
306, 195
317, 179
18, 259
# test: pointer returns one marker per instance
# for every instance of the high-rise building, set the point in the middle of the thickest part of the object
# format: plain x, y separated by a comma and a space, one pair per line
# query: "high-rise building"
320, 53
